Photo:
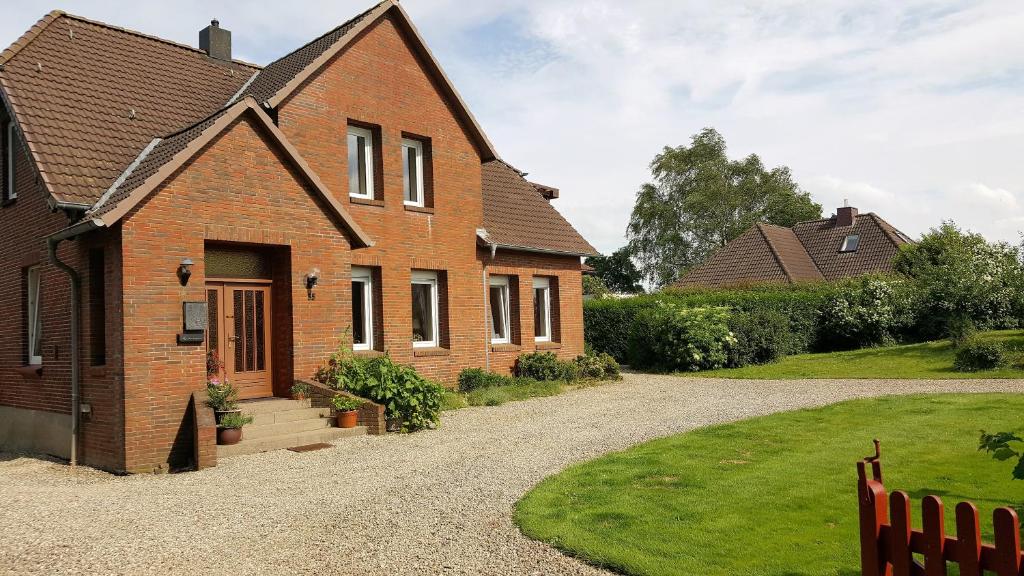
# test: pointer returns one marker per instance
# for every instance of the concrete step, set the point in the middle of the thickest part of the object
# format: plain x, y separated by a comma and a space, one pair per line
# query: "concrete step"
265, 405
295, 426
250, 445
265, 418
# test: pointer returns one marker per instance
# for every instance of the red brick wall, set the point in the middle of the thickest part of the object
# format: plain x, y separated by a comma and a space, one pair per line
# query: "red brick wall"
24, 224
378, 80
238, 189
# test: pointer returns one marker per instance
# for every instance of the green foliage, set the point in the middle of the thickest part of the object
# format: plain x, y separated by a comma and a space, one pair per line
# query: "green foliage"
869, 311
221, 396
975, 355
344, 403
594, 286
963, 280
475, 378
998, 445
591, 367
611, 367
671, 337
300, 389
234, 420
545, 366
763, 335
453, 400
618, 272
404, 394
700, 200
517, 389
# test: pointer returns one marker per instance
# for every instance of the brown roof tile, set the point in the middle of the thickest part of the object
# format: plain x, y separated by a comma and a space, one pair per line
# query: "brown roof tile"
790, 254
879, 243
748, 259
517, 215
89, 97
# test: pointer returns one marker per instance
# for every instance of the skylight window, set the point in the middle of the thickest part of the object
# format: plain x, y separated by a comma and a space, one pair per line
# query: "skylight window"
850, 243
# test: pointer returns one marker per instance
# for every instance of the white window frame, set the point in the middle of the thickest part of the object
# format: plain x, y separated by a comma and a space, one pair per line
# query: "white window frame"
408, 143
12, 193
430, 279
501, 281
545, 284
846, 243
367, 134
364, 276
34, 315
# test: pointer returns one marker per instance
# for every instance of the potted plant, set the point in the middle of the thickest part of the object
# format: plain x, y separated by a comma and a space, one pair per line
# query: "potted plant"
346, 410
229, 429
222, 397
300, 391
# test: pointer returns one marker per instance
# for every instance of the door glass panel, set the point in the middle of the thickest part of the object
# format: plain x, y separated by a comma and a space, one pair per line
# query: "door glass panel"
250, 333
239, 330
212, 325
260, 331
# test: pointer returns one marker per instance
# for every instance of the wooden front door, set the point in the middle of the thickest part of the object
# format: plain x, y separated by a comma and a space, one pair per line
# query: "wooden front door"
240, 333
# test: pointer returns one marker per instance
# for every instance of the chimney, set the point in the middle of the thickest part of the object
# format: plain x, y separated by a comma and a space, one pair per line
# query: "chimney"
215, 41
846, 216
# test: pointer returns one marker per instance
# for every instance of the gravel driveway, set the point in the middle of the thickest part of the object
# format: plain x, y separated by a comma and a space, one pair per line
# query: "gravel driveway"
435, 502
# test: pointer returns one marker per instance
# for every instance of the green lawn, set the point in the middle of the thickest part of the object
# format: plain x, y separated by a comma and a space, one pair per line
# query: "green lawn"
774, 495
928, 360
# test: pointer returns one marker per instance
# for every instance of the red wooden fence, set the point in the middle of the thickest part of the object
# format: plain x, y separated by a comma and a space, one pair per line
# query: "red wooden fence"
888, 543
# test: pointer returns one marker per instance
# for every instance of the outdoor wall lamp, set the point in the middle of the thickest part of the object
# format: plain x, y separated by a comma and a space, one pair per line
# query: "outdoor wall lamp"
311, 280
185, 271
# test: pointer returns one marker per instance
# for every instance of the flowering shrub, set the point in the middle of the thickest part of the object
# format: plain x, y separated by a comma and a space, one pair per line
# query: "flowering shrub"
671, 337
976, 355
868, 312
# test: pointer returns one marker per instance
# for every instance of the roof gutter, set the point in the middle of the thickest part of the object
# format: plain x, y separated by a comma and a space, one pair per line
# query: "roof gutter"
494, 248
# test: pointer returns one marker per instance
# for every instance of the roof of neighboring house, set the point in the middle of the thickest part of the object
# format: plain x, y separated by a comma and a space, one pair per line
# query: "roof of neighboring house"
808, 252
103, 109
517, 215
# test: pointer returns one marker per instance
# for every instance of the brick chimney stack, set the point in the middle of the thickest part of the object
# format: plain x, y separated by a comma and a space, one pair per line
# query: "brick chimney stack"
846, 216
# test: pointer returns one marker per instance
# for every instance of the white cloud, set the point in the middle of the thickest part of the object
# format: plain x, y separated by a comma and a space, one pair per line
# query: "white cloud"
910, 109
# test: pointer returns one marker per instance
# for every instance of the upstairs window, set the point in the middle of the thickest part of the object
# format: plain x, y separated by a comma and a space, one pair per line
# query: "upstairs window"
362, 309
361, 154
412, 172
542, 309
425, 310
501, 325
850, 243
8, 141
34, 316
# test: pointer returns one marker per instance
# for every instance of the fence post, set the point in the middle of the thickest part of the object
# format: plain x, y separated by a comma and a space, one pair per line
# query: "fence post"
873, 503
968, 539
933, 521
1007, 529
899, 519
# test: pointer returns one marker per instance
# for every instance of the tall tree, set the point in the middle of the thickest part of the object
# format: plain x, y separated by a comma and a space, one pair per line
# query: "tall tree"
618, 272
700, 200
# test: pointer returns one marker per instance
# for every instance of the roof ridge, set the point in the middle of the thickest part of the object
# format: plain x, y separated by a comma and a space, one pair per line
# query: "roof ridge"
152, 37
329, 32
775, 252
30, 35
890, 231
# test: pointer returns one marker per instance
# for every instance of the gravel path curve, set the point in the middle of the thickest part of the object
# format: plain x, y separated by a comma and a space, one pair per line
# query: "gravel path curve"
435, 502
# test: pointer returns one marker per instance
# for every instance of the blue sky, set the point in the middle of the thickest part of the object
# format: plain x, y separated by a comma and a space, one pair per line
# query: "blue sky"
911, 109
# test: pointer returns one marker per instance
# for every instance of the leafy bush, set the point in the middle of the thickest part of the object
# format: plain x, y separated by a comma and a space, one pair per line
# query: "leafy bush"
404, 394
475, 378
594, 286
590, 367
545, 366
762, 336
869, 311
611, 367
234, 420
344, 403
977, 355
671, 337
221, 397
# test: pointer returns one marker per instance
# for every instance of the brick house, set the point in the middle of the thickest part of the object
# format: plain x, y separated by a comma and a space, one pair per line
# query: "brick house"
846, 245
162, 202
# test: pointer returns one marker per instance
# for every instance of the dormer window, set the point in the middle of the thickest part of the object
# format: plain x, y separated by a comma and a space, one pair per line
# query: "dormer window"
360, 162
850, 243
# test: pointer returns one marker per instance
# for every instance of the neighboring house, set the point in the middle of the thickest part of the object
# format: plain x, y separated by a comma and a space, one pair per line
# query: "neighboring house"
845, 245
345, 187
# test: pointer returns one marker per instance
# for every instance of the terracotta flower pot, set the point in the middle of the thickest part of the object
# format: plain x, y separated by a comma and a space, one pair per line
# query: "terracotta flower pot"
218, 414
348, 419
298, 396
229, 436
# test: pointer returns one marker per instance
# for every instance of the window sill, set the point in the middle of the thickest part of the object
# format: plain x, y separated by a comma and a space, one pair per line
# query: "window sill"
506, 347
368, 353
419, 209
426, 352
365, 201
31, 372
548, 345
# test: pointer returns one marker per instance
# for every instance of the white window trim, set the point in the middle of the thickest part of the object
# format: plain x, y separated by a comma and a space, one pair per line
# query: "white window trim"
365, 277
546, 285
35, 357
12, 193
418, 147
506, 304
430, 279
367, 134
846, 243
